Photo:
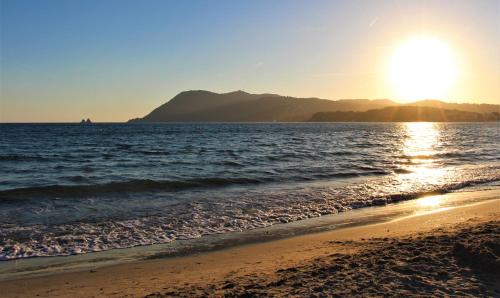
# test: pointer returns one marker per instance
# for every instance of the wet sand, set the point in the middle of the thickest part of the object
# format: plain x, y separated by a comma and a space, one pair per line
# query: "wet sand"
451, 251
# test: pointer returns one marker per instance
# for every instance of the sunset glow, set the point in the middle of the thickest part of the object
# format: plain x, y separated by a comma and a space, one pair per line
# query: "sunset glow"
422, 67
71, 58
227, 148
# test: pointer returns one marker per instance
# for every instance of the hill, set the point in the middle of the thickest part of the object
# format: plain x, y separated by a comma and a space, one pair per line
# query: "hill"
405, 114
239, 106
467, 107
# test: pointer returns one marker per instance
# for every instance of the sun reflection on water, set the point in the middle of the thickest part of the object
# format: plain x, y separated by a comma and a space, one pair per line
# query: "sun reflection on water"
420, 148
421, 139
432, 201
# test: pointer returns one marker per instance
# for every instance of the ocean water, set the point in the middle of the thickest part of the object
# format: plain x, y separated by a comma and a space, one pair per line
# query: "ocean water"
70, 188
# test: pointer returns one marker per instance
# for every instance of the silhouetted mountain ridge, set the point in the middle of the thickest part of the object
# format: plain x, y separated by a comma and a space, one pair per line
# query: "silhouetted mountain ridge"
240, 106
405, 114
466, 107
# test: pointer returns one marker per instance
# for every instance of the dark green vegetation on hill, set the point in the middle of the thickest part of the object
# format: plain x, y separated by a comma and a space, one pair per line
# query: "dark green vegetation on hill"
405, 114
239, 106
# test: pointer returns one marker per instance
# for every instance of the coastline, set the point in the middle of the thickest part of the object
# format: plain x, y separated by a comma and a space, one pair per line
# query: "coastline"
139, 278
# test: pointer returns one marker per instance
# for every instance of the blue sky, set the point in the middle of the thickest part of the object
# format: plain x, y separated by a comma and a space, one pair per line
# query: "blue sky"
115, 60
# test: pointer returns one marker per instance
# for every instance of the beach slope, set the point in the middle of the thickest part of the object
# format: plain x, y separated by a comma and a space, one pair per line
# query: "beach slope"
452, 251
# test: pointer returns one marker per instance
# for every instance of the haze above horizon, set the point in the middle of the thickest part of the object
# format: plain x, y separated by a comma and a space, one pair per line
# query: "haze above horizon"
117, 60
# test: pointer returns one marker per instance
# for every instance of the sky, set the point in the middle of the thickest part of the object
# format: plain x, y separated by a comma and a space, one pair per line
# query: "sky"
117, 59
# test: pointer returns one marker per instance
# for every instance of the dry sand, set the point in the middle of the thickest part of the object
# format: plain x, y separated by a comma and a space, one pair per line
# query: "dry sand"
461, 262
450, 252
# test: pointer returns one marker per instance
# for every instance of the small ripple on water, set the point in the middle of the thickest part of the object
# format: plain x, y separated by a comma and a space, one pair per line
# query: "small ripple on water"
214, 215
93, 188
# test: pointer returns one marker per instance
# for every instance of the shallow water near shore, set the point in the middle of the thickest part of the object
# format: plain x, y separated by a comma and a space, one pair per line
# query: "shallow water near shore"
428, 204
72, 189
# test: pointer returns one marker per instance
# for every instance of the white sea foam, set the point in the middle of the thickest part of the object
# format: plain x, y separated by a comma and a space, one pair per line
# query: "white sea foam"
230, 212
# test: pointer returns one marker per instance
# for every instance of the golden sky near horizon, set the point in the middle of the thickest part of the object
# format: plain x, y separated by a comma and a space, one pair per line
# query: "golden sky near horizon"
119, 60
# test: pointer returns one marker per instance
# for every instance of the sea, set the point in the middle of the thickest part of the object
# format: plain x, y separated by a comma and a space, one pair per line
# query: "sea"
68, 189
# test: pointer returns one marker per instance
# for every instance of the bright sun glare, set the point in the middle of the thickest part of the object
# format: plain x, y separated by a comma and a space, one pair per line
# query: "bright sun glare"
422, 68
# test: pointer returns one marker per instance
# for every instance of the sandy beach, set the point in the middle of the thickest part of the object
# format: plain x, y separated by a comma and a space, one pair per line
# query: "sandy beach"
451, 251
249, 148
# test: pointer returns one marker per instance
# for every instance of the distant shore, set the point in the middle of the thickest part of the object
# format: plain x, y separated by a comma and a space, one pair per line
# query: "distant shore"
389, 256
240, 106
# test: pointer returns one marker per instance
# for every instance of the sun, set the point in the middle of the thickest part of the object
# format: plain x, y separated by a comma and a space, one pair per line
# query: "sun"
422, 68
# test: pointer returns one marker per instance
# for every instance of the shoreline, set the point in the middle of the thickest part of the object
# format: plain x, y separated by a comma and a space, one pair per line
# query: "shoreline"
139, 278
41, 266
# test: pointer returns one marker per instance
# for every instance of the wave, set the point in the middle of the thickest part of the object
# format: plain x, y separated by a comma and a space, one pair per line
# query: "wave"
150, 152
350, 174
138, 185
438, 155
187, 221
82, 186
230, 163
402, 171
123, 146
145, 185
17, 157
394, 198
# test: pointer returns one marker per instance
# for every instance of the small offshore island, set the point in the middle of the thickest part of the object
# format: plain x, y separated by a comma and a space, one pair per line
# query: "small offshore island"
358, 157
88, 121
